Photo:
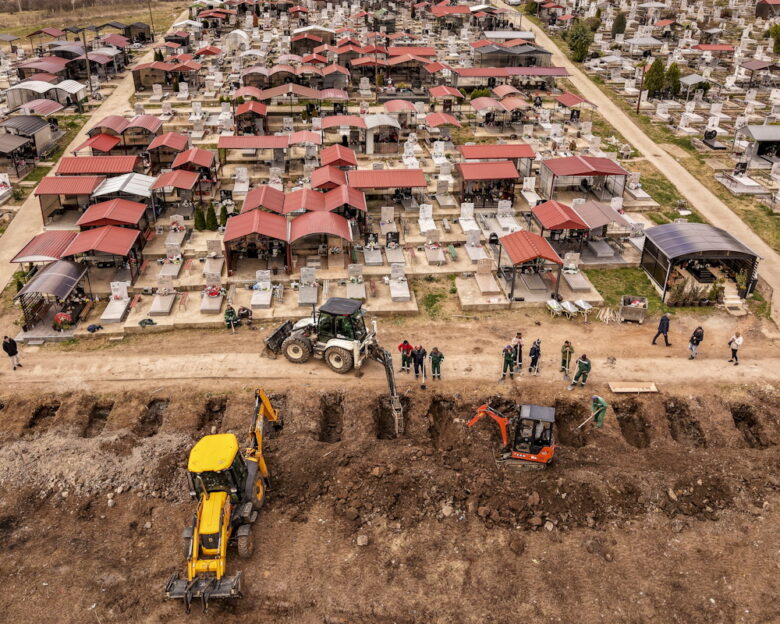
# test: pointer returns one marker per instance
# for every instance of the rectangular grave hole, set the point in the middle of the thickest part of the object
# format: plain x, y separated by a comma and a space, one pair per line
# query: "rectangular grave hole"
331, 418
42, 415
152, 419
750, 426
633, 425
98, 417
213, 413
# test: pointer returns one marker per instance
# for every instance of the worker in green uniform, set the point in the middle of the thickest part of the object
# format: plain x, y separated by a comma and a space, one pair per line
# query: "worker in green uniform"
436, 357
231, 318
598, 408
509, 362
567, 352
583, 370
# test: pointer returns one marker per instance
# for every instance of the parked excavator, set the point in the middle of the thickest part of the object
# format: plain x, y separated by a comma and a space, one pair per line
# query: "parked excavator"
230, 485
528, 436
337, 333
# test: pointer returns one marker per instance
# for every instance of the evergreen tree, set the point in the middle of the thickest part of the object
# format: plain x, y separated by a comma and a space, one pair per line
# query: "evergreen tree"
579, 38
223, 216
673, 79
655, 78
619, 25
200, 219
211, 218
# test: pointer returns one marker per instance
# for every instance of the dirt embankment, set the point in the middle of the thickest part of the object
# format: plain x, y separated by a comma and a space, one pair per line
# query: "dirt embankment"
643, 519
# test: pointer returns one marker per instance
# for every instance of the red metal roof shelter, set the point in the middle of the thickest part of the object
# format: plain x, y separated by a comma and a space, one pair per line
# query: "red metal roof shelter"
46, 247
97, 165
500, 170
68, 185
523, 247
172, 140
112, 212
328, 177
256, 222
179, 179
338, 156
320, 223
100, 143
553, 215
492, 151
109, 239
602, 176
386, 178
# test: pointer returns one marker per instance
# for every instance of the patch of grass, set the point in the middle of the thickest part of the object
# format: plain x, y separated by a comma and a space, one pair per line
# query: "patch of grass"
431, 302
612, 284
37, 174
759, 306
665, 193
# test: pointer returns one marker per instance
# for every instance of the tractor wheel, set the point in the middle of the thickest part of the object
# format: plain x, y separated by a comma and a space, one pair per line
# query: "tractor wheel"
339, 360
245, 546
297, 349
259, 497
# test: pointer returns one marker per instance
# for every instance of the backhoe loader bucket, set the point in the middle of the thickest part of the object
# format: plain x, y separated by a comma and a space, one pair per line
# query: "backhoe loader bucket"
203, 588
278, 336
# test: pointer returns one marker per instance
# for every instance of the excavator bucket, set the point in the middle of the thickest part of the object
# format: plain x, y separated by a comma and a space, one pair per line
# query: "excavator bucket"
203, 588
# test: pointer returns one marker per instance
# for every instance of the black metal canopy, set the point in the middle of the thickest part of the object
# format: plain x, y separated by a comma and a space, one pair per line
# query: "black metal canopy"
340, 306
57, 279
678, 241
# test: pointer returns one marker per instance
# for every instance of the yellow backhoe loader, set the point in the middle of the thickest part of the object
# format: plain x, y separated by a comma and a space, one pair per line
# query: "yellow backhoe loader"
229, 485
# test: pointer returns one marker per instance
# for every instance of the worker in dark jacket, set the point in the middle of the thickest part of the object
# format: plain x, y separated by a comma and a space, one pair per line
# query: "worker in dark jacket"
509, 356
535, 353
663, 329
406, 355
12, 351
696, 339
436, 358
418, 358
583, 370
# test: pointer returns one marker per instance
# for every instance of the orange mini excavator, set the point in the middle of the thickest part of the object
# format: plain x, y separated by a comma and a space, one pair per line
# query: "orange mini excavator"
527, 436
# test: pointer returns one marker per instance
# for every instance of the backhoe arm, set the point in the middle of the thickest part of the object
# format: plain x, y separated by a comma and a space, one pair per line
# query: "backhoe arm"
501, 420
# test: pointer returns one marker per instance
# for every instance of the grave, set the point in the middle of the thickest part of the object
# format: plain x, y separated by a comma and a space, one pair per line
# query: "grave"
118, 303
262, 291
399, 287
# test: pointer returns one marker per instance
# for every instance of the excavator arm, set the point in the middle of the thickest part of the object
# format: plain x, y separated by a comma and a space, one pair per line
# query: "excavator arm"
383, 356
501, 420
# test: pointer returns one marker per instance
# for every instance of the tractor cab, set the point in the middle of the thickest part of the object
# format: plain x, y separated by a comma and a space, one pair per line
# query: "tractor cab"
533, 429
342, 319
215, 465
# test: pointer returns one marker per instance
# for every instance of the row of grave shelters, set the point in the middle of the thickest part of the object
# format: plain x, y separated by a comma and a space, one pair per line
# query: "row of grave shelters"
338, 149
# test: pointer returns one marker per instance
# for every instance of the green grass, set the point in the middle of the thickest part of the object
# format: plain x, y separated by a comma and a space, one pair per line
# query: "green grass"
612, 284
760, 307
431, 302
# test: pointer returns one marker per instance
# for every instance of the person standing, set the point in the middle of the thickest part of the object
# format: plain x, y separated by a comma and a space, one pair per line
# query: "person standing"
583, 370
418, 358
567, 352
517, 345
693, 344
535, 353
598, 407
12, 351
509, 362
734, 343
436, 358
406, 356
663, 329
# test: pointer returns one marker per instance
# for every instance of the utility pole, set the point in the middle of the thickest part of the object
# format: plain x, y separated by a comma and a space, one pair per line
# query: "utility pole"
86, 60
151, 19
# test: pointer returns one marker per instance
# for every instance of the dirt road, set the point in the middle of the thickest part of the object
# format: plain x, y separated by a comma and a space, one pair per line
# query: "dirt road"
707, 204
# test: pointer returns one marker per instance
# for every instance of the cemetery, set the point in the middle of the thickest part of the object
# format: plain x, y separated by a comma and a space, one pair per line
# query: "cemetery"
271, 157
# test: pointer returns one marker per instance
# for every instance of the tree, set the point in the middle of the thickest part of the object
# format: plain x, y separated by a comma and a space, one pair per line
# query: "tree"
579, 38
672, 82
200, 219
655, 78
211, 218
619, 25
776, 44
223, 216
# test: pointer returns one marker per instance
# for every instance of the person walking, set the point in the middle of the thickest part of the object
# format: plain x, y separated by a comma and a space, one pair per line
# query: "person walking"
583, 370
663, 329
567, 352
406, 356
517, 345
436, 358
734, 343
693, 344
509, 362
598, 407
418, 359
535, 353
12, 351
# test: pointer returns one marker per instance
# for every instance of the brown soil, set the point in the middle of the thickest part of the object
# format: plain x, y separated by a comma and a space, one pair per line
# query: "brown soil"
642, 520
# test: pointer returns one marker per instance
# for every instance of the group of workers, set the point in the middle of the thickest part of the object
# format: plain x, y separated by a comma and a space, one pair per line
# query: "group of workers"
415, 356
512, 355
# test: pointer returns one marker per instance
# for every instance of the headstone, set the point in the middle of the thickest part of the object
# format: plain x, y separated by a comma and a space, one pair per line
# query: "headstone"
119, 291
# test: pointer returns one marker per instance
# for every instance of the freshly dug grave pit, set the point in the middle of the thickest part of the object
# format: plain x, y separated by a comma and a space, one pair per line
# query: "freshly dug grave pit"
683, 427
43, 415
633, 425
210, 419
98, 417
331, 415
746, 420
151, 420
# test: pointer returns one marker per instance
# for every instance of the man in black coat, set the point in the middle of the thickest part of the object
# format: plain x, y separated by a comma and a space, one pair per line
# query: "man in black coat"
418, 359
663, 328
12, 351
